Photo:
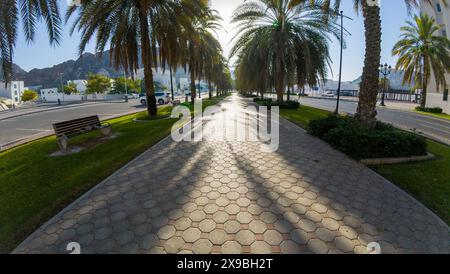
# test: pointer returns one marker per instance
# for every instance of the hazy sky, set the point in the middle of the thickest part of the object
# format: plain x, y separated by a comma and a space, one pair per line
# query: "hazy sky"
39, 54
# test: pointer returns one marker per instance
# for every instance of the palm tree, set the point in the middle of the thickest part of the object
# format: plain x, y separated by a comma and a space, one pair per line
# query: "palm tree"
202, 48
366, 112
274, 38
31, 12
132, 26
422, 51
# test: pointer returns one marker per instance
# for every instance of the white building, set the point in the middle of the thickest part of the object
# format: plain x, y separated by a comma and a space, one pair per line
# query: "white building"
441, 12
48, 94
81, 85
13, 91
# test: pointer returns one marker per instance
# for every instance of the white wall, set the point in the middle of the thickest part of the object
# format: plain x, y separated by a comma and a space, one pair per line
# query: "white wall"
437, 100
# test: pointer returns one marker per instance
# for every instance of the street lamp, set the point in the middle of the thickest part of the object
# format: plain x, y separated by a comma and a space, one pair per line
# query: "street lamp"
385, 70
341, 14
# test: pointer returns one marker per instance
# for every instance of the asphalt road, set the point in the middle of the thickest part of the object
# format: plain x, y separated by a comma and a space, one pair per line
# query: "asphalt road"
21, 127
431, 127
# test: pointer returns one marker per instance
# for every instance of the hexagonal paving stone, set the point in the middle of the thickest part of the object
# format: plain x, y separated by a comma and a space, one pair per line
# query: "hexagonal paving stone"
183, 223
258, 226
220, 217
231, 247
325, 235
317, 246
330, 224
243, 202
191, 235
268, 217
218, 237
211, 208
207, 225
232, 209
232, 226
273, 237
222, 201
260, 247
244, 217
290, 247
344, 244
166, 232
174, 245
245, 237
202, 246
197, 215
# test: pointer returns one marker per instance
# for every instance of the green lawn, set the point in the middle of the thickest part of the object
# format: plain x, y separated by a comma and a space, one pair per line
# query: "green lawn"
303, 115
441, 115
34, 186
428, 182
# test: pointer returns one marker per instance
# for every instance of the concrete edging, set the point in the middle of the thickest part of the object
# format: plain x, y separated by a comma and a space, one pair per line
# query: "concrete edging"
401, 160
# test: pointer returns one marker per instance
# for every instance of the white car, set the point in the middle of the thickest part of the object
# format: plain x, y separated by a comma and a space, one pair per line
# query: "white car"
328, 94
162, 98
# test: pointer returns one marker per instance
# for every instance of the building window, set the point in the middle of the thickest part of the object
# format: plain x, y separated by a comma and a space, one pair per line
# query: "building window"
438, 7
15, 85
446, 95
15, 92
16, 99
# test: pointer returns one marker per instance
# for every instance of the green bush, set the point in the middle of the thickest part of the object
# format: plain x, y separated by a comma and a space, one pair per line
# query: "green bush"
270, 103
349, 136
435, 110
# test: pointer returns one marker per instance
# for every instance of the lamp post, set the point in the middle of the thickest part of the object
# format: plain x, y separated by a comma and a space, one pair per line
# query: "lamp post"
385, 70
62, 86
341, 14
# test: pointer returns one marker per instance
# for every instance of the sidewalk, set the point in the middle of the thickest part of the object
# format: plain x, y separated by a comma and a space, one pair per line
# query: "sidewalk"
229, 197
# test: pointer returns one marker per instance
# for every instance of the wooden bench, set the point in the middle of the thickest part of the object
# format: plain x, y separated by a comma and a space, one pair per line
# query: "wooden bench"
69, 129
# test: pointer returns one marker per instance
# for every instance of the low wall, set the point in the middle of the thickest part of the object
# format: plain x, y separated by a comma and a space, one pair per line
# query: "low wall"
437, 100
79, 97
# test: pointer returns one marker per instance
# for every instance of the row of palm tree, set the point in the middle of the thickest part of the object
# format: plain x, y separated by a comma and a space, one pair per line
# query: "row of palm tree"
278, 45
277, 21
155, 33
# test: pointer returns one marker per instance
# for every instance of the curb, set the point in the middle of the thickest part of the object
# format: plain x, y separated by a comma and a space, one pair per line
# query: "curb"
393, 161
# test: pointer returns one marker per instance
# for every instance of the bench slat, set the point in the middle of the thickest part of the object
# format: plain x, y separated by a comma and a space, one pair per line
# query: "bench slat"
77, 126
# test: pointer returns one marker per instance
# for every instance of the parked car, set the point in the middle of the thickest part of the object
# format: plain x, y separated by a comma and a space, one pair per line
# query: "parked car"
328, 94
162, 98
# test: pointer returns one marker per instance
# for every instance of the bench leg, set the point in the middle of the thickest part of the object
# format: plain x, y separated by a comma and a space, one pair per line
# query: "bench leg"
63, 143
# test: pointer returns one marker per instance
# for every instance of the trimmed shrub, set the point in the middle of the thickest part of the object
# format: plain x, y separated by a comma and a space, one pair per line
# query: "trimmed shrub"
435, 110
350, 137
270, 103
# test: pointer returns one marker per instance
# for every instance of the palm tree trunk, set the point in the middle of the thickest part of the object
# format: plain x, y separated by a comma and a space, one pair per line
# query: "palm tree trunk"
279, 86
423, 98
366, 112
147, 61
210, 89
193, 91
289, 93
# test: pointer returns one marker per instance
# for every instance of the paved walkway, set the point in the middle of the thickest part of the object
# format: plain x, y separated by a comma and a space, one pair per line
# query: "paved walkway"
229, 197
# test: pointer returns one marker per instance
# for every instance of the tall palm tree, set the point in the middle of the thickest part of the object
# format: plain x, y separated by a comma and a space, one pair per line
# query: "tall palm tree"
421, 51
132, 26
202, 47
31, 12
368, 95
280, 38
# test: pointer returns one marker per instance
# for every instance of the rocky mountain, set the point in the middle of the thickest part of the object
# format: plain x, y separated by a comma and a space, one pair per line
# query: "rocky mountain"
70, 70
395, 81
